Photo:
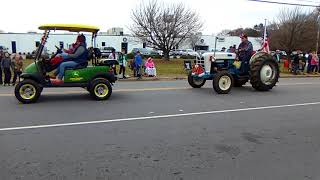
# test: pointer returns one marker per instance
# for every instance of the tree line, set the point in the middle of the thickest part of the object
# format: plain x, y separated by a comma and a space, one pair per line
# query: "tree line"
293, 29
165, 26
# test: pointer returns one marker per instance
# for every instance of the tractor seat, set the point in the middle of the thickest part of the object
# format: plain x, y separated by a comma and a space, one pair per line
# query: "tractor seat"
79, 66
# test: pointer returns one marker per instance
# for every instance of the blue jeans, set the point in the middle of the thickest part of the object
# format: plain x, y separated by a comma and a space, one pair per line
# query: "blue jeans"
138, 70
63, 66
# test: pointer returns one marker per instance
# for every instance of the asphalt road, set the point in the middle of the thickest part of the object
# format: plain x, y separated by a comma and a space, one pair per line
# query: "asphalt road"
163, 130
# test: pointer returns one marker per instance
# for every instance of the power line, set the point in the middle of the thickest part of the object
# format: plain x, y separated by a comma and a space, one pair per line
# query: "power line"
283, 3
310, 1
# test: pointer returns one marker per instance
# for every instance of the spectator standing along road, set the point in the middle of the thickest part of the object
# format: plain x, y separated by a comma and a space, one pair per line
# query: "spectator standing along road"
138, 63
277, 56
295, 63
16, 65
318, 63
309, 62
123, 63
113, 55
6, 65
1, 57
314, 63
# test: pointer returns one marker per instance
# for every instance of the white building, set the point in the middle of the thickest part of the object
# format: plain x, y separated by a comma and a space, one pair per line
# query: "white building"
27, 42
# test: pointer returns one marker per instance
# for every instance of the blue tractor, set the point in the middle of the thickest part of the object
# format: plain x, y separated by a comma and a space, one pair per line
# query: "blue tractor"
224, 70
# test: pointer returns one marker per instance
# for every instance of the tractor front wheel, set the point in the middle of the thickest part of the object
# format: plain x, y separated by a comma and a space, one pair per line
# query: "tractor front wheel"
195, 82
27, 91
223, 82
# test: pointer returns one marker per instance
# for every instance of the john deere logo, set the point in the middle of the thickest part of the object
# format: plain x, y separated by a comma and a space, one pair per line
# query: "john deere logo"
75, 76
75, 73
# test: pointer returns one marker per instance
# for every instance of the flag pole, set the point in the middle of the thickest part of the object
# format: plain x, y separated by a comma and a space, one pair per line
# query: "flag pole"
265, 30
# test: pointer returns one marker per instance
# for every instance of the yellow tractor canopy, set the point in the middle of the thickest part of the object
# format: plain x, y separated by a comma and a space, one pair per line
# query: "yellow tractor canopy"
70, 27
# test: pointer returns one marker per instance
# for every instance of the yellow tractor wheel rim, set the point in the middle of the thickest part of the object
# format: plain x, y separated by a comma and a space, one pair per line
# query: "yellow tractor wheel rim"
101, 90
27, 91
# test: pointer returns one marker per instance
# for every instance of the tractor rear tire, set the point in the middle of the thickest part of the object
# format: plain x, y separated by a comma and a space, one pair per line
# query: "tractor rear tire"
223, 82
100, 89
264, 73
195, 83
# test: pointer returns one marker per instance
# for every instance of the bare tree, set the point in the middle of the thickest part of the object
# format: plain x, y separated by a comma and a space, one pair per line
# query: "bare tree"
164, 26
294, 30
193, 39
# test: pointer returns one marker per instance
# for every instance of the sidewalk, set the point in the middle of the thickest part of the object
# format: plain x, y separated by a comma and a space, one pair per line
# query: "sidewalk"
184, 77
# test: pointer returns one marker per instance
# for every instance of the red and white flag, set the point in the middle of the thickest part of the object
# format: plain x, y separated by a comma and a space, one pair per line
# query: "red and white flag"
265, 44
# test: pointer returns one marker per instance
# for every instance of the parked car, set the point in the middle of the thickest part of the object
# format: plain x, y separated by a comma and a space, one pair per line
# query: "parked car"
145, 51
176, 52
189, 52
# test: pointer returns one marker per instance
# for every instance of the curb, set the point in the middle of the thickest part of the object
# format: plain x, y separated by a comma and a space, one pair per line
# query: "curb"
300, 76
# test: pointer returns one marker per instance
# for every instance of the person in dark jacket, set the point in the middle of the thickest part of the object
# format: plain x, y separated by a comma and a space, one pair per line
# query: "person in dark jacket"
295, 63
318, 63
138, 64
1, 56
309, 62
79, 56
245, 51
6, 65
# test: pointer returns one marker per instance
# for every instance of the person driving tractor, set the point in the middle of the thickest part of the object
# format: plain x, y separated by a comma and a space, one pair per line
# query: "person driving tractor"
245, 51
77, 54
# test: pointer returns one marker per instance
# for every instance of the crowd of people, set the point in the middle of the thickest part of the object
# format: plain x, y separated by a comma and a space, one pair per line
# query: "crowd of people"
10, 64
137, 66
300, 63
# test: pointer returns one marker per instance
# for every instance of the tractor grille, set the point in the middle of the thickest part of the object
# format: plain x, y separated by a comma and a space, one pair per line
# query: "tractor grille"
200, 61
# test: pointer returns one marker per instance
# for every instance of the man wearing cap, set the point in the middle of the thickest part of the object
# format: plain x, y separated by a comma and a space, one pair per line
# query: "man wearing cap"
245, 51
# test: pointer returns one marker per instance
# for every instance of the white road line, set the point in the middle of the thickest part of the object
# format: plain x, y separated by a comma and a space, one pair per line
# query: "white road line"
155, 117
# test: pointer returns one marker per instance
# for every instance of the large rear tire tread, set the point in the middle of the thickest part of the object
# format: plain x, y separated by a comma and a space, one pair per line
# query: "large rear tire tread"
193, 84
37, 87
255, 79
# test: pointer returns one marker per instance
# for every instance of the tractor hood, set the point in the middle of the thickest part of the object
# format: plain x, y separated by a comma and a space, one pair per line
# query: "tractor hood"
219, 55
31, 68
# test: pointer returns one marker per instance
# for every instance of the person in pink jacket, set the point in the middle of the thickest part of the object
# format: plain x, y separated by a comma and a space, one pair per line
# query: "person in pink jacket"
314, 63
150, 68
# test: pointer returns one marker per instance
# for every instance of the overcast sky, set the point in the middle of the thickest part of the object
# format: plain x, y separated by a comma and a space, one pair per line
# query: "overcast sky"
27, 15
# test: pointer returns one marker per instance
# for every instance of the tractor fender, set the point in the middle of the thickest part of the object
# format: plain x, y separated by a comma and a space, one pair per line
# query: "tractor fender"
259, 54
34, 76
